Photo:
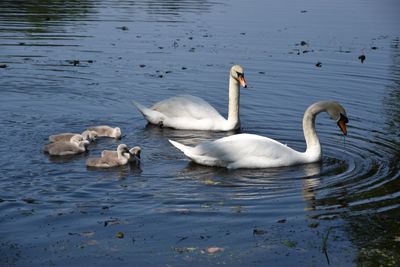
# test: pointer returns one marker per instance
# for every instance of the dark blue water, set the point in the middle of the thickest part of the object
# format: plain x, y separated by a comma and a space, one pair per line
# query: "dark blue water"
70, 65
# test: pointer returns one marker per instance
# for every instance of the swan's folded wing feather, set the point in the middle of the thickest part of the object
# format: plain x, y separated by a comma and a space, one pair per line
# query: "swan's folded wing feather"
186, 106
236, 147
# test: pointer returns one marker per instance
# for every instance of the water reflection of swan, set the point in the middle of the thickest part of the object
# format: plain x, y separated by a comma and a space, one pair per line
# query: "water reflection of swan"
254, 151
193, 113
310, 182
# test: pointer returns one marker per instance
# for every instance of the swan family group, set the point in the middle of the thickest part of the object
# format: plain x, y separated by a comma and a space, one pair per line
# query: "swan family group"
243, 150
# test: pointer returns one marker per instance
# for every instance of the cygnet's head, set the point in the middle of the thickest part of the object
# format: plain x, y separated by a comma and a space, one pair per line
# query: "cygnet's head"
237, 73
78, 139
338, 113
122, 149
89, 135
135, 151
117, 133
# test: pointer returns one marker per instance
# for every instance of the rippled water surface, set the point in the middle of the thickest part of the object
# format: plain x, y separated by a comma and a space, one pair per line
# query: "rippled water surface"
68, 65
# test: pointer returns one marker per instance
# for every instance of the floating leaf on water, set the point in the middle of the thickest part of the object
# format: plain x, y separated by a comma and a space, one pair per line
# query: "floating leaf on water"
120, 235
211, 182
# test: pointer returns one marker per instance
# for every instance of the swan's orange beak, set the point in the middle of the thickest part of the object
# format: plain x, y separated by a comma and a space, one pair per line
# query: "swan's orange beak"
242, 81
342, 123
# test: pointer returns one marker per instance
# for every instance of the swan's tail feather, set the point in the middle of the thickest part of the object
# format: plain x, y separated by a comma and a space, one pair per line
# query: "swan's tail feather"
185, 149
150, 115
139, 106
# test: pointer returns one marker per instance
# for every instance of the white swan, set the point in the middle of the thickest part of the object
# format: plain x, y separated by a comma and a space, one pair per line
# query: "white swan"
254, 151
65, 137
106, 131
134, 154
193, 113
76, 145
109, 160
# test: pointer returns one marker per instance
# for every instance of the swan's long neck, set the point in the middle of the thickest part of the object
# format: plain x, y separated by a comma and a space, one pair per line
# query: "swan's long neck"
313, 145
234, 99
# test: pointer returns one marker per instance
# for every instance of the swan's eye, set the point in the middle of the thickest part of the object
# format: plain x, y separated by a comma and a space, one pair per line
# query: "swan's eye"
239, 74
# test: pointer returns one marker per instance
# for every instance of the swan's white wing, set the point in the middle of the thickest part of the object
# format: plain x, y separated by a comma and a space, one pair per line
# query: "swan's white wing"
186, 106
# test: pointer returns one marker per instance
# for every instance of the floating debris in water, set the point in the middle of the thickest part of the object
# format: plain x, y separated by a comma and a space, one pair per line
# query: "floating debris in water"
261, 72
3, 66
303, 11
319, 64
281, 221
289, 243
258, 231
120, 235
374, 48
313, 225
212, 250
29, 200
185, 249
142, 65
124, 28
210, 182
184, 68
362, 58
74, 62
303, 43
87, 234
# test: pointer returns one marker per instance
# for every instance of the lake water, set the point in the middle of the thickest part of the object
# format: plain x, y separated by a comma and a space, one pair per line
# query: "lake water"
68, 65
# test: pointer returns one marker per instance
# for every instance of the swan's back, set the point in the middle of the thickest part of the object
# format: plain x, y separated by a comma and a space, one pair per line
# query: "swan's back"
186, 106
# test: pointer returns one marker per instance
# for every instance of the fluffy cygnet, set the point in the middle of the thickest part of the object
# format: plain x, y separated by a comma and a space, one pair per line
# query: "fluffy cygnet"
65, 137
109, 160
76, 145
107, 131
133, 152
